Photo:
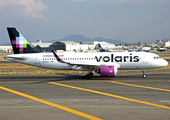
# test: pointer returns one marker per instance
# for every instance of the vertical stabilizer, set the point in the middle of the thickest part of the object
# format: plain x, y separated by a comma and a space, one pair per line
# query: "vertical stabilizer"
18, 42
100, 48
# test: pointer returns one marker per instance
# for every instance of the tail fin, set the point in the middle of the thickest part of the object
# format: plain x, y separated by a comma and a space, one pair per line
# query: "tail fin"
18, 42
100, 48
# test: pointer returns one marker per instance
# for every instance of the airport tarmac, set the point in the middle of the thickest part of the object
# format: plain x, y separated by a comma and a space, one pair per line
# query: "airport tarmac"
71, 97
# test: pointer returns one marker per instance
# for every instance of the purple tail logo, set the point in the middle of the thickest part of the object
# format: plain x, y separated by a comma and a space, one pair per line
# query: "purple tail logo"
20, 42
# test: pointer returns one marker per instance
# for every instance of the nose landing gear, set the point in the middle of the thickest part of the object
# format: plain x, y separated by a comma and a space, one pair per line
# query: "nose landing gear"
144, 75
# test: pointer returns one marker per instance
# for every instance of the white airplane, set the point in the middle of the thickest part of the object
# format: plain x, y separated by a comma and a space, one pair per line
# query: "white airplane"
102, 50
104, 63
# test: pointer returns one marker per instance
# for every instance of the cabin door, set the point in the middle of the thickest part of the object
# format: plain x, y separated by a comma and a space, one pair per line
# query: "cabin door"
145, 60
37, 60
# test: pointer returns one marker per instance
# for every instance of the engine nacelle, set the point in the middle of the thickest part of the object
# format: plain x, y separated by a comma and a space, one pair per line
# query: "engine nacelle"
108, 71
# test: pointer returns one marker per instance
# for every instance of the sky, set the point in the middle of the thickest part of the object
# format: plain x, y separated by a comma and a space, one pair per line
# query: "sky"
127, 20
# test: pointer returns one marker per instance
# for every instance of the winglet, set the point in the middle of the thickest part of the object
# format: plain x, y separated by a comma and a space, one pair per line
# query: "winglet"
57, 57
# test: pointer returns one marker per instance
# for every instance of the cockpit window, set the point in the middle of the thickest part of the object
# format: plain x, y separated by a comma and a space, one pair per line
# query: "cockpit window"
157, 57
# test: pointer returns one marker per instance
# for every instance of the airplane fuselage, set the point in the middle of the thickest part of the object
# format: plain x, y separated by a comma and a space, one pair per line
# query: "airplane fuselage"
104, 63
123, 60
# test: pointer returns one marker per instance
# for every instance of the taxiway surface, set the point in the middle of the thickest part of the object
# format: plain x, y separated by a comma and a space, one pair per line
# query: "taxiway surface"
71, 97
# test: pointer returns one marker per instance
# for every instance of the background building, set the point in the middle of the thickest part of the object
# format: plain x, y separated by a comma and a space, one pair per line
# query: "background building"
68, 46
167, 43
6, 49
41, 47
160, 41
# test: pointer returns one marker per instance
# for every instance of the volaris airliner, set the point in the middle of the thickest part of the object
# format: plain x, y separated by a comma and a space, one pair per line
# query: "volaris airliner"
103, 63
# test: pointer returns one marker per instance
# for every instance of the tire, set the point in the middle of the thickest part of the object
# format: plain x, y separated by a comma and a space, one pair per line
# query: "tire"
87, 76
91, 74
144, 76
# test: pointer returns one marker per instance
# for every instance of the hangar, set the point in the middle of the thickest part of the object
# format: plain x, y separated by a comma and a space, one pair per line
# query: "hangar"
68, 46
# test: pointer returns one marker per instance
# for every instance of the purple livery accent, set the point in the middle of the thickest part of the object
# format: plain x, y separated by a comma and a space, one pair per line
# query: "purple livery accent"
107, 71
20, 49
58, 58
20, 42
13, 42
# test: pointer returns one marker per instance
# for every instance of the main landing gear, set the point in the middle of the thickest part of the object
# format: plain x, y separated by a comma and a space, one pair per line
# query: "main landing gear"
89, 75
144, 75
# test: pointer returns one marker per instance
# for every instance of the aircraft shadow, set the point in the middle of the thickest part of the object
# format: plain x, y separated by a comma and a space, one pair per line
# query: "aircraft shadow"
80, 77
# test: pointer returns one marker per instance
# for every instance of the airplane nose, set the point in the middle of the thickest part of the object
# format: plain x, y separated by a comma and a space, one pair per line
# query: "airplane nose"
164, 63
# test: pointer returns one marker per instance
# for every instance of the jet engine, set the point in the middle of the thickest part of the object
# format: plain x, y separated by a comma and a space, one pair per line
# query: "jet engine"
108, 71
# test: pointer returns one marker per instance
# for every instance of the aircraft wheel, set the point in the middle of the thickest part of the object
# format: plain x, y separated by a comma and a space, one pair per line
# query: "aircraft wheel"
144, 76
91, 74
87, 76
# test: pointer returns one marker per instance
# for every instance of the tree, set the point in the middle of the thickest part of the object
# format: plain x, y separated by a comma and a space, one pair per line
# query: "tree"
162, 46
146, 46
126, 44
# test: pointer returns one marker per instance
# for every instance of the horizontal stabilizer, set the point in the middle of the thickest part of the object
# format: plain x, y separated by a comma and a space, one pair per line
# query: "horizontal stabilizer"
14, 58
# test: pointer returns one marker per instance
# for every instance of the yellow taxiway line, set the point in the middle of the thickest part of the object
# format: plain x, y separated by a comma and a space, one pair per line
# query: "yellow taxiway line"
17, 82
52, 104
111, 95
140, 86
